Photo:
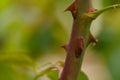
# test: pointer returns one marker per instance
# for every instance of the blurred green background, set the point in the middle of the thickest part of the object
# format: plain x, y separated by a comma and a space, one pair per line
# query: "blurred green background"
33, 31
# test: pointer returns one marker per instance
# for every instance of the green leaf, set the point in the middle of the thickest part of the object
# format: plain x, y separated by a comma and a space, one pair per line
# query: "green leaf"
16, 58
5, 4
13, 72
50, 71
53, 75
82, 76
44, 70
44, 39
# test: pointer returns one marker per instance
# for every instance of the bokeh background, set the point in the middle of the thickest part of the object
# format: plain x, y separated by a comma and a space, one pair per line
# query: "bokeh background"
33, 31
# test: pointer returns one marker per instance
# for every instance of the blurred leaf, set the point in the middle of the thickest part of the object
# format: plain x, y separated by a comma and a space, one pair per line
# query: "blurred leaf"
53, 75
44, 38
107, 37
2, 42
16, 58
50, 70
60, 63
110, 2
113, 63
18, 66
6, 73
82, 76
44, 70
4, 4
12, 72
109, 40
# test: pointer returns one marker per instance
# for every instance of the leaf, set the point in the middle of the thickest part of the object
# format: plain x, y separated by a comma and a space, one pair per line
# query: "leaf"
43, 39
50, 71
82, 76
4, 4
16, 58
16, 66
53, 75
15, 72
44, 70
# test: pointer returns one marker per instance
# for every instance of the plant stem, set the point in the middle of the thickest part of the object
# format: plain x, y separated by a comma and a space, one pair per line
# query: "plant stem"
78, 42
98, 12
80, 36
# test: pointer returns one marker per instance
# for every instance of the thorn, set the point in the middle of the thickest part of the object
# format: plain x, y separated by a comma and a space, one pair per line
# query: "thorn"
81, 42
73, 8
92, 9
92, 39
79, 46
65, 47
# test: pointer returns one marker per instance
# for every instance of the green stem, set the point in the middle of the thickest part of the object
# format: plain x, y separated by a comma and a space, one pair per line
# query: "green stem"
98, 12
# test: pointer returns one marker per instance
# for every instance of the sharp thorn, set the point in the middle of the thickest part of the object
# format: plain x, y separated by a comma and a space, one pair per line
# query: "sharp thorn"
73, 8
65, 47
92, 39
79, 46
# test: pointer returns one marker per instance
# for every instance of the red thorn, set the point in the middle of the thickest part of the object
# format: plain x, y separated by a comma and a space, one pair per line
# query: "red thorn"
81, 42
79, 46
73, 8
65, 47
92, 9
92, 39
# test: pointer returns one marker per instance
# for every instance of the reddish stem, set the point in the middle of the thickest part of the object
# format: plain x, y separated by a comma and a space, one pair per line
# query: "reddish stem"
80, 32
